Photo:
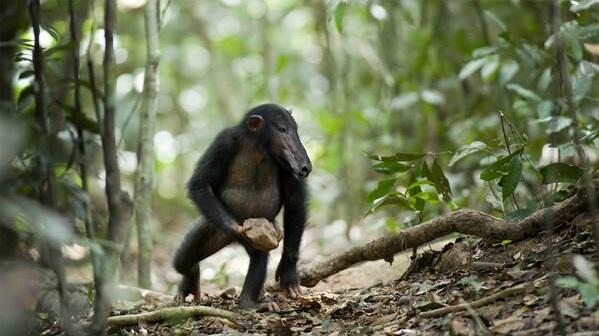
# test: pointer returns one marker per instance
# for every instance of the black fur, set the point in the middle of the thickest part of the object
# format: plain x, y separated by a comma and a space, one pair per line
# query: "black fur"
245, 174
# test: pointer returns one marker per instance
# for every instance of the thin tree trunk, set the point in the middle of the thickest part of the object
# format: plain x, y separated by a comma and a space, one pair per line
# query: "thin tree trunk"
119, 203
89, 226
52, 254
145, 152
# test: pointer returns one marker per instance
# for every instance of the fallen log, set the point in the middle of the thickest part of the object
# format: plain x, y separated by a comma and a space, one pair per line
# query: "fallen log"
470, 222
170, 313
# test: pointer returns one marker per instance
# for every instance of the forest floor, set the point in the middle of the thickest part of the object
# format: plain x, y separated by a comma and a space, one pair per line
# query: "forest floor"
506, 286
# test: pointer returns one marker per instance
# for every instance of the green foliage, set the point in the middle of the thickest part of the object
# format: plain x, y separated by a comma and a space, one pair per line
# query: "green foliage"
426, 183
587, 282
560, 172
473, 282
339, 14
363, 77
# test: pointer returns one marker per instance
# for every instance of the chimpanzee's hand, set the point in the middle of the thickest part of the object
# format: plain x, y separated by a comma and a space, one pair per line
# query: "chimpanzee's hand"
288, 279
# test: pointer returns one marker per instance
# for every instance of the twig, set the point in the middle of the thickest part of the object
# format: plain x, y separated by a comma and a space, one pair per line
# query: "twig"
136, 293
170, 313
90, 69
479, 322
517, 290
128, 119
483, 22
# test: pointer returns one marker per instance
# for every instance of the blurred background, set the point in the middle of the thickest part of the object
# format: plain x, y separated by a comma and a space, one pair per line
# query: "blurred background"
362, 77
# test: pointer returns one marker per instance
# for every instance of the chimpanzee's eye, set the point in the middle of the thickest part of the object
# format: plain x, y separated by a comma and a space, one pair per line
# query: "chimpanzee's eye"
282, 129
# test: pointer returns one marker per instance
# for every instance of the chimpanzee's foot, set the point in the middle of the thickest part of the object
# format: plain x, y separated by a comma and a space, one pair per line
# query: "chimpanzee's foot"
293, 291
186, 287
181, 297
267, 306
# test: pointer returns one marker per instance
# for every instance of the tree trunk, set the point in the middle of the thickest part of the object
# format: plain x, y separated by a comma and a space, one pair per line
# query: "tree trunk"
52, 254
145, 151
119, 203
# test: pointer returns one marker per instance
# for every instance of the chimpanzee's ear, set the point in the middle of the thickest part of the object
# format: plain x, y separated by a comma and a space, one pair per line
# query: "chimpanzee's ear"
255, 122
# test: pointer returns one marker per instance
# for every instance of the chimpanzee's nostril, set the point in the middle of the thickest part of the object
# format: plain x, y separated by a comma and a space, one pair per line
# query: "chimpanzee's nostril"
305, 171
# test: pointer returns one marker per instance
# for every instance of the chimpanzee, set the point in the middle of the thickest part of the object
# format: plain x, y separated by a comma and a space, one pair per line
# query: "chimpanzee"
249, 171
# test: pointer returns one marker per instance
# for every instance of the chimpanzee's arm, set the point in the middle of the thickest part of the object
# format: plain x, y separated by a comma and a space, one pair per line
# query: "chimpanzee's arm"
209, 173
295, 196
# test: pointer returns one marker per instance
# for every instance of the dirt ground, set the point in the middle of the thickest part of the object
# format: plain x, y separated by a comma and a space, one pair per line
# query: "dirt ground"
506, 288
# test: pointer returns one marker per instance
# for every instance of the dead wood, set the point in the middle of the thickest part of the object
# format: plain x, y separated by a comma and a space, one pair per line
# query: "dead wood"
169, 313
132, 293
470, 222
517, 290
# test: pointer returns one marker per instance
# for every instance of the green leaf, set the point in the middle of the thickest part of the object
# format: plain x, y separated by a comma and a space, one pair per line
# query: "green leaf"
560, 172
544, 80
474, 147
585, 269
440, 181
81, 120
510, 181
519, 214
397, 157
471, 67
580, 87
490, 68
390, 199
496, 20
507, 72
498, 168
484, 51
420, 183
589, 294
557, 124
544, 109
383, 188
390, 167
339, 15
26, 73
567, 282
523, 92
427, 196
582, 5
51, 30
575, 49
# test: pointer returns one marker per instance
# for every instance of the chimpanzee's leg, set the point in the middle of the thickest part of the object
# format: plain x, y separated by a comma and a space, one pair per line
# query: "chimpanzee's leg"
200, 242
254, 281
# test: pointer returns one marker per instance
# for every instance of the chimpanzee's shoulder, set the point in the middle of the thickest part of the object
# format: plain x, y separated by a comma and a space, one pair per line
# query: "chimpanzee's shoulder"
226, 140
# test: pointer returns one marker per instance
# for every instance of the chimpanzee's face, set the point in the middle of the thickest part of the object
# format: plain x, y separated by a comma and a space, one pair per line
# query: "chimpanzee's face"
282, 140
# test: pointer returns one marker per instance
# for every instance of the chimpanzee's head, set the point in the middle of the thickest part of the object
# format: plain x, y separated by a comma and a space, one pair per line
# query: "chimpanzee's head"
276, 130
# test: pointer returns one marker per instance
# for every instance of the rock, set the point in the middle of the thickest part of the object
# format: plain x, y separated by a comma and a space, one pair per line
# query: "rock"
264, 235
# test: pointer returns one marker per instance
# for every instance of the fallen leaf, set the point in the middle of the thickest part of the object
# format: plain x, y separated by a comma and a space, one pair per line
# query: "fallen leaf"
508, 325
459, 327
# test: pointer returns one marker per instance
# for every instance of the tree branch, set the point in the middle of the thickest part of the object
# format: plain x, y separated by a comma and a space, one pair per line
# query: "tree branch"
513, 291
469, 222
170, 313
